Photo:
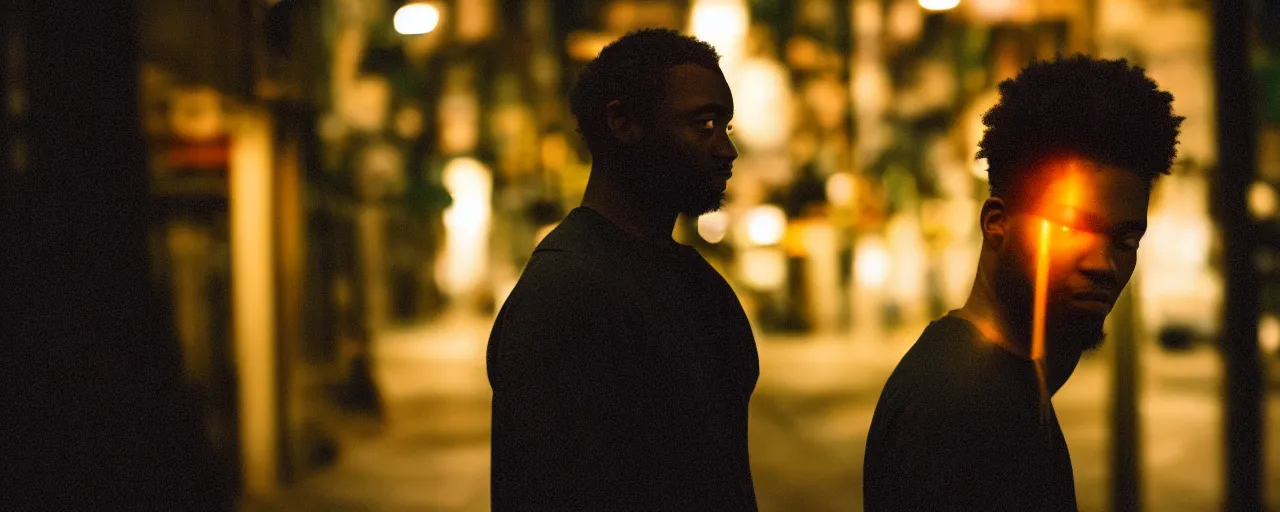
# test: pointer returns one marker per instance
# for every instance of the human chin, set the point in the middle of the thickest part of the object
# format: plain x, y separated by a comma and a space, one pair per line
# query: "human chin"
698, 201
1082, 331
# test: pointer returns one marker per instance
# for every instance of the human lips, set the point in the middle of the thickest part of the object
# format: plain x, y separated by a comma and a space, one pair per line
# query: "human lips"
1093, 300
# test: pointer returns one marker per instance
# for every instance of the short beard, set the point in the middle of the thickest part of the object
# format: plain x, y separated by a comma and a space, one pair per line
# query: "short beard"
651, 173
1063, 330
696, 204
1085, 333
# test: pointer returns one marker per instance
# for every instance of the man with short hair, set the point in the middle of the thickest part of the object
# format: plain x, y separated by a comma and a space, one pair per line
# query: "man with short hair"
965, 422
622, 363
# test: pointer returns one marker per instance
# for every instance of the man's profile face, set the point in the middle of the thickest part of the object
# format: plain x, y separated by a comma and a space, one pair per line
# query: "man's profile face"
1090, 219
685, 157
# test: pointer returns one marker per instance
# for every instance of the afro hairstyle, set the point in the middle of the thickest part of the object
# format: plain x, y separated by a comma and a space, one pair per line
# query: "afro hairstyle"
1105, 110
631, 69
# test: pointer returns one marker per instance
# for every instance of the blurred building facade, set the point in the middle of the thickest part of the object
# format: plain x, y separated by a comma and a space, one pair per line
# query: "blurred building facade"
410, 175
315, 176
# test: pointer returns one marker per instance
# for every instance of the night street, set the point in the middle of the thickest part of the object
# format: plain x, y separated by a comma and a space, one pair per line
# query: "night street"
809, 420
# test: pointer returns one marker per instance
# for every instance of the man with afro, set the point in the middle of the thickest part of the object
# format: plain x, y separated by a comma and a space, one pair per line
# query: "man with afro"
622, 363
965, 422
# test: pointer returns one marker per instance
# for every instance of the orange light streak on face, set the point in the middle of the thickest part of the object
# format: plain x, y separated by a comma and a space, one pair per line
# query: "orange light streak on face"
1037, 319
1041, 292
1070, 197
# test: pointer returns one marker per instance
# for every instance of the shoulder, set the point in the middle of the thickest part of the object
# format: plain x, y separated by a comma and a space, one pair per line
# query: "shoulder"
556, 284
950, 379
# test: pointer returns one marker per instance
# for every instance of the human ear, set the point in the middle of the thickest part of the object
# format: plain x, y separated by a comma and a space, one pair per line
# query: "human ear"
621, 123
994, 222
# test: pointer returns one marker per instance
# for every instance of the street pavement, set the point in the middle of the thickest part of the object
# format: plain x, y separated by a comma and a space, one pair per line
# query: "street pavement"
809, 420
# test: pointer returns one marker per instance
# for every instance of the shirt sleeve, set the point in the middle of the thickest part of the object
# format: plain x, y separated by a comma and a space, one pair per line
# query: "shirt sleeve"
568, 427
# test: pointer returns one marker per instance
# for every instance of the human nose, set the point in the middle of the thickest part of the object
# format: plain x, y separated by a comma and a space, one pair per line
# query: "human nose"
725, 148
1099, 260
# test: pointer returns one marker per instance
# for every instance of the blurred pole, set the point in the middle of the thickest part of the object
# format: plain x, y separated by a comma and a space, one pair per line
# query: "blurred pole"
1126, 487
1237, 151
98, 410
254, 300
361, 393
371, 246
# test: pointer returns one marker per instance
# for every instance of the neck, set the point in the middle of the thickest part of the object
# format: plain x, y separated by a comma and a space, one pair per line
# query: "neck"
640, 216
986, 311
992, 317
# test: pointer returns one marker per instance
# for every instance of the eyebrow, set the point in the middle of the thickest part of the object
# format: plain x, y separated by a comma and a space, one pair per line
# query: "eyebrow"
713, 108
1089, 221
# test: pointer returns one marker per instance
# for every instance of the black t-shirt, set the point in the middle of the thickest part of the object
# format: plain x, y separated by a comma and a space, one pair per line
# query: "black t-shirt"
958, 427
621, 373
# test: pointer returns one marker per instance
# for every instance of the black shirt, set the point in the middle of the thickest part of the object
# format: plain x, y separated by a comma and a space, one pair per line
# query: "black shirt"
958, 427
621, 373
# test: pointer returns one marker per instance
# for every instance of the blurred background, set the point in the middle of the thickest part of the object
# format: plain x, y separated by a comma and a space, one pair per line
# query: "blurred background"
257, 245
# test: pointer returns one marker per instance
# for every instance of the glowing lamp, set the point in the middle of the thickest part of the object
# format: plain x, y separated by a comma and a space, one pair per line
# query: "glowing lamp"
763, 268
766, 224
416, 18
871, 262
764, 85
842, 190
463, 262
713, 226
723, 24
939, 5
1262, 200
1269, 334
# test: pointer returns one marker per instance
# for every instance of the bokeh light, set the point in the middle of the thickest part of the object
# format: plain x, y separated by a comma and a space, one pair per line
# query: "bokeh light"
416, 18
766, 224
939, 5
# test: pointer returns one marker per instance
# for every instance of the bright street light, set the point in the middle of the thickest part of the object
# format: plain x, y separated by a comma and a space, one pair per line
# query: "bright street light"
416, 18
939, 5
766, 224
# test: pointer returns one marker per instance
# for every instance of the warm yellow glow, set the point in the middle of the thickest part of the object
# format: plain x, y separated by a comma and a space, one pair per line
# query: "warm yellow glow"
1262, 200
196, 113
763, 268
543, 232
841, 189
979, 168
723, 24
1037, 327
584, 46
555, 152
904, 21
1071, 196
766, 224
1269, 334
459, 120
939, 5
1041, 292
365, 102
466, 221
765, 85
871, 262
416, 18
253, 300
713, 226
994, 10
408, 122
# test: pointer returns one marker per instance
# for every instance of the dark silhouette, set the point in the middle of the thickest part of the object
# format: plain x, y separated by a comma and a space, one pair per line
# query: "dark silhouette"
964, 422
97, 413
622, 363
